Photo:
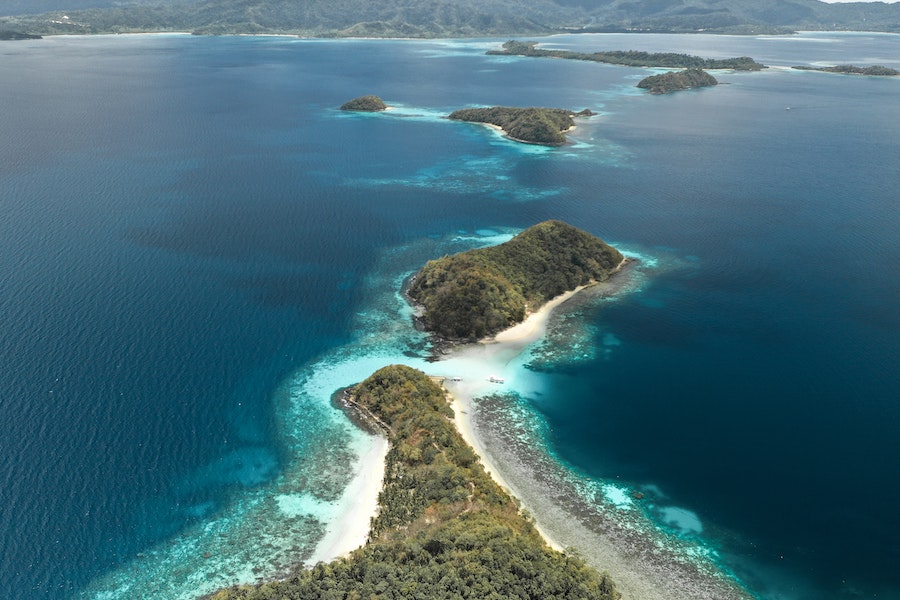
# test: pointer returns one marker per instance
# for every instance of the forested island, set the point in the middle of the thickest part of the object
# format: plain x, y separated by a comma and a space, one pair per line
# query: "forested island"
478, 293
674, 81
17, 35
544, 126
874, 70
444, 528
632, 58
368, 103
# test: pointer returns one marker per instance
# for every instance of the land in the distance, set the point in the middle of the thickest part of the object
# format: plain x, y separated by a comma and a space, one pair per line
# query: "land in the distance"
874, 70
544, 126
438, 18
632, 58
674, 81
370, 103
444, 528
478, 293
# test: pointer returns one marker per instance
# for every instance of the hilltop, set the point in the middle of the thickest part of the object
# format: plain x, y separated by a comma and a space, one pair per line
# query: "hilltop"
480, 292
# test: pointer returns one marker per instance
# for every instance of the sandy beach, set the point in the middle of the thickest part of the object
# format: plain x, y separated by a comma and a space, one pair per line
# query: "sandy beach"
642, 564
642, 567
357, 506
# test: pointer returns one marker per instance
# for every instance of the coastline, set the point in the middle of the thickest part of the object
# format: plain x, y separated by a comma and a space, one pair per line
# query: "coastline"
358, 506
642, 567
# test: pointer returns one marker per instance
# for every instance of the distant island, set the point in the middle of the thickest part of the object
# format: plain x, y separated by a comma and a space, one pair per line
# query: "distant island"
365, 104
874, 70
16, 35
544, 126
478, 293
444, 528
632, 58
674, 81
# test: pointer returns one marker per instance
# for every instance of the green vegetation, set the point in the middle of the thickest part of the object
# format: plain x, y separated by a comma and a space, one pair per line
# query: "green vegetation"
632, 58
445, 529
365, 104
674, 81
544, 126
874, 70
439, 18
477, 293
16, 35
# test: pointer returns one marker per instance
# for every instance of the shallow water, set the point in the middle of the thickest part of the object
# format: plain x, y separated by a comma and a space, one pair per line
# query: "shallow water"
198, 249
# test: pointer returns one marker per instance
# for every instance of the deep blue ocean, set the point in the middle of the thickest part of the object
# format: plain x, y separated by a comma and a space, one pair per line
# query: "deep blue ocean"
197, 248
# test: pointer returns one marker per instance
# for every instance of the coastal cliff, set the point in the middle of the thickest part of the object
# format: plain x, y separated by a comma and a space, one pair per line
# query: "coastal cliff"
477, 293
444, 528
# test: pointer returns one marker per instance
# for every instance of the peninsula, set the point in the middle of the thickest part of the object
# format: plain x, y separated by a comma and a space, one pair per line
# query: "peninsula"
542, 126
674, 81
444, 528
874, 70
632, 58
480, 292
368, 103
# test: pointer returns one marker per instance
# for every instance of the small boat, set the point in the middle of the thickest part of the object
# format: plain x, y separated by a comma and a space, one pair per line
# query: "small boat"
495, 379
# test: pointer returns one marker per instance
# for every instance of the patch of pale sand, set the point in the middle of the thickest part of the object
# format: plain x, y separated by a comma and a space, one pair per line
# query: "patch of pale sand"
349, 529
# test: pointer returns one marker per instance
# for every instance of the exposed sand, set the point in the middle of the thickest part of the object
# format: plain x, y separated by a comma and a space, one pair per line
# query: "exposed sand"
640, 566
358, 505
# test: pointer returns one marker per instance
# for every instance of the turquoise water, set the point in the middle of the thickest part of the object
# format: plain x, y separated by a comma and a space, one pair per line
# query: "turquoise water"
198, 249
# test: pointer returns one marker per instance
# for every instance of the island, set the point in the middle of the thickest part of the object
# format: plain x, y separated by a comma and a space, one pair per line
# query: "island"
874, 70
543, 126
18, 35
632, 58
368, 103
674, 81
478, 293
444, 528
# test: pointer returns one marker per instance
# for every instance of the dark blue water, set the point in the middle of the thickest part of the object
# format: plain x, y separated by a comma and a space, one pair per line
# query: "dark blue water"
186, 222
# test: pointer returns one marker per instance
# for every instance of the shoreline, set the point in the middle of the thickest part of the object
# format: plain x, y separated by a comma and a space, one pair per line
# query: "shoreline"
641, 566
359, 505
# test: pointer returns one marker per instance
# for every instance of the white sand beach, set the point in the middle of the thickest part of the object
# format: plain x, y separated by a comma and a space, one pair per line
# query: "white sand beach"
357, 506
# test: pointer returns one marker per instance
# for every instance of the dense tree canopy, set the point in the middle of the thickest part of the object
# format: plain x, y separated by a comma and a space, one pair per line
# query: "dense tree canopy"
480, 292
674, 81
445, 529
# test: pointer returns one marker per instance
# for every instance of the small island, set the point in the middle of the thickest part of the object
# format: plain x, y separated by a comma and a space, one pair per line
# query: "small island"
444, 528
632, 58
873, 71
18, 35
370, 103
675, 81
478, 293
543, 126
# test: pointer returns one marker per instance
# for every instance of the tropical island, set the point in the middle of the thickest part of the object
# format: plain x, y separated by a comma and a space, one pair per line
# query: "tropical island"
674, 81
444, 528
478, 293
543, 126
631, 58
17, 35
368, 103
874, 70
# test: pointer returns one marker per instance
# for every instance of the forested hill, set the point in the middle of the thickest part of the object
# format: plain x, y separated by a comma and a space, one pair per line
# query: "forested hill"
480, 292
445, 530
443, 18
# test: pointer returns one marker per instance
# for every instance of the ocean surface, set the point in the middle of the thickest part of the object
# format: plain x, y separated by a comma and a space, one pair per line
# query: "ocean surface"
197, 249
